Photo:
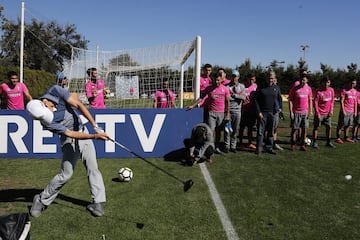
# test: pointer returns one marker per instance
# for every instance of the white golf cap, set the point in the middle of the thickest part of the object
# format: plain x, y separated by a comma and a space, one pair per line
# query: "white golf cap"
235, 73
38, 111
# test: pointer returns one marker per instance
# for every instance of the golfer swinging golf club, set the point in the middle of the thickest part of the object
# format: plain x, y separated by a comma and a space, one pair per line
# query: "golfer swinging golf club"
56, 112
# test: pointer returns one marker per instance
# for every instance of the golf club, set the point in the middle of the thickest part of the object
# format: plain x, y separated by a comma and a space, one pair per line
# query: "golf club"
187, 184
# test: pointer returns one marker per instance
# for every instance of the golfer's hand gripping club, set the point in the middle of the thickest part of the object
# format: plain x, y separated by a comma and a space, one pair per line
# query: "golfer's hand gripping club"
98, 129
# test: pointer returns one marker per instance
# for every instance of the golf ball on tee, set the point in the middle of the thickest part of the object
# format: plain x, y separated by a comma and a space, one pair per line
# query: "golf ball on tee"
348, 177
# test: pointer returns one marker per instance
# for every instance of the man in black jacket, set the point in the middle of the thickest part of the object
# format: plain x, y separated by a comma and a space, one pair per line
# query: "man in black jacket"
266, 103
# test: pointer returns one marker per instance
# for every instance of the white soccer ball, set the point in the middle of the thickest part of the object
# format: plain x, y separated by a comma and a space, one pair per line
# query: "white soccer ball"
308, 141
348, 177
125, 174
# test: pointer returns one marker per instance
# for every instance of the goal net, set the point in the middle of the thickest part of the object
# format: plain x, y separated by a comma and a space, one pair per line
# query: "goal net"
133, 76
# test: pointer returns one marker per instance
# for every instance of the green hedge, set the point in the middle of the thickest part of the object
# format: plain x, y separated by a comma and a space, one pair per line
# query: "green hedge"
36, 81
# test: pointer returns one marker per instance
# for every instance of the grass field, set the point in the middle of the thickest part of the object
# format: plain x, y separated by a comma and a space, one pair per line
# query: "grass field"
291, 195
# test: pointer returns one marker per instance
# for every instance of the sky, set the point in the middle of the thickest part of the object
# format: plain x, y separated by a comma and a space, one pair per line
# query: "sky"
231, 30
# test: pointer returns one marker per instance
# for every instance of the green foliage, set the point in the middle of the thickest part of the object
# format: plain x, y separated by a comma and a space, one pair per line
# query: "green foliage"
288, 75
46, 45
123, 60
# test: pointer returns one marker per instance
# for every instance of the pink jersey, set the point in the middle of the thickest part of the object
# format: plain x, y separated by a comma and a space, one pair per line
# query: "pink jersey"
300, 97
204, 82
324, 101
226, 82
358, 101
248, 103
96, 90
163, 99
216, 97
350, 98
14, 96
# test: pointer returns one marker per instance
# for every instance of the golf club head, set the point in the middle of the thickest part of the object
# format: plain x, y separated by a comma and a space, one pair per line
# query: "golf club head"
188, 184
139, 225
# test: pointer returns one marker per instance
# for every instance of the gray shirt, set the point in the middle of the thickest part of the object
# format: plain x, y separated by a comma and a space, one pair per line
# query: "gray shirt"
237, 95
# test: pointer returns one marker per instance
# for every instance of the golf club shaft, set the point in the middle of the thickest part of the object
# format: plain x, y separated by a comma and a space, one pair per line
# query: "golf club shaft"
145, 160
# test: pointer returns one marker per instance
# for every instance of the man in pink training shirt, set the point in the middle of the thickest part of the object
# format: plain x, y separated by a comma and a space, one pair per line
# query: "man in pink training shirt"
324, 108
300, 106
357, 120
224, 80
164, 97
248, 113
348, 110
14, 92
95, 90
205, 81
219, 102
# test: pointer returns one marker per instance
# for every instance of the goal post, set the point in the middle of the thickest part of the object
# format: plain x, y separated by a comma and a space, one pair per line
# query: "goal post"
133, 75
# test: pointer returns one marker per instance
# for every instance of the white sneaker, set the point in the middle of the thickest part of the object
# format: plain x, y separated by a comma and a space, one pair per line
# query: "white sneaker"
218, 151
37, 207
278, 147
96, 209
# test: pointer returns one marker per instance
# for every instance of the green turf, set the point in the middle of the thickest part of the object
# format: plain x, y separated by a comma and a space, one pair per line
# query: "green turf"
293, 195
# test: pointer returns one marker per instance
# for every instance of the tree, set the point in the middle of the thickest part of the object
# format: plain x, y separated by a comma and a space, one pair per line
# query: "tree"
46, 45
325, 68
123, 60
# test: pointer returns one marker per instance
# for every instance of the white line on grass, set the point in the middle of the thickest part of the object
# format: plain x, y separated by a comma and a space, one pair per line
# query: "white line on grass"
227, 225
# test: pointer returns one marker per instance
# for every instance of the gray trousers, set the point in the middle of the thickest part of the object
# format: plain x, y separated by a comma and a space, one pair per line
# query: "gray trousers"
230, 139
74, 149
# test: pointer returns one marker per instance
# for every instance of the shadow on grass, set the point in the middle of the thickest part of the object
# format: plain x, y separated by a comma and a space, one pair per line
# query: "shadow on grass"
179, 155
26, 195
176, 155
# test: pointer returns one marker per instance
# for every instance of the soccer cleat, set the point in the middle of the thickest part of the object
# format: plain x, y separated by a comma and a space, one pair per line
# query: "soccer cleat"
96, 209
251, 146
218, 151
330, 144
278, 147
349, 140
354, 139
37, 207
339, 141
226, 150
303, 148
241, 147
315, 145
293, 147
233, 150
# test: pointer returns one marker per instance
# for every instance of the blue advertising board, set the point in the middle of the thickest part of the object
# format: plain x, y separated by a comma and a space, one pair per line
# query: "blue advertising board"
147, 132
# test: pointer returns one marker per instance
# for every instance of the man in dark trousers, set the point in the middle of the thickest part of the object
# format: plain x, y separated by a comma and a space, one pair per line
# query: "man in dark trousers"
265, 101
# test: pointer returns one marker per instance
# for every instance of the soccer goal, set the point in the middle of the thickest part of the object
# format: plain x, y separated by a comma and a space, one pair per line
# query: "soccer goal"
133, 76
